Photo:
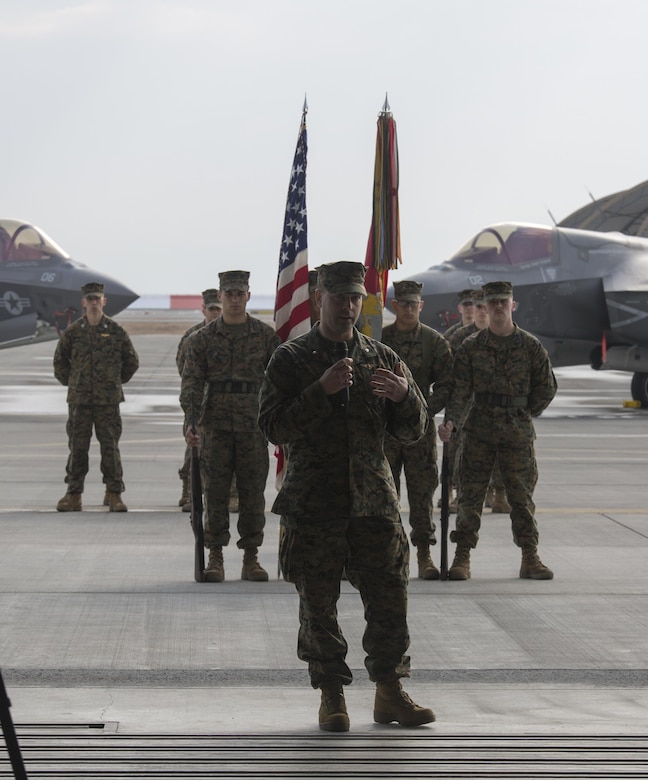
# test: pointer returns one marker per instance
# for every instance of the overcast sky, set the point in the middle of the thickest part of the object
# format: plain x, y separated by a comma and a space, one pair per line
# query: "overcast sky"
153, 139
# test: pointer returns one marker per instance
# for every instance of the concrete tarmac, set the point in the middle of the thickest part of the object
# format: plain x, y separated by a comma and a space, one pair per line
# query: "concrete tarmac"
102, 622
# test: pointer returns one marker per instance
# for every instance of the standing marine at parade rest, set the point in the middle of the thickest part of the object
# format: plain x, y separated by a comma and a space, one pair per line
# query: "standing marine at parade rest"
429, 358
338, 501
479, 321
503, 378
211, 310
496, 499
465, 307
93, 358
221, 379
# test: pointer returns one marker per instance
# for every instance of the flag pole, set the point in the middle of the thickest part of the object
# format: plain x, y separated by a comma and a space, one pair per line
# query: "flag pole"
383, 247
292, 298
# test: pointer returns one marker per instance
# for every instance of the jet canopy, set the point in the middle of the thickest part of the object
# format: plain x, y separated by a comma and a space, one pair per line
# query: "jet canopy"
508, 244
24, 244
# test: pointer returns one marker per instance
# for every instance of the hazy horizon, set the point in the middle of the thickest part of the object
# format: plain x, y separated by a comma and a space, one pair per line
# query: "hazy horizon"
153, 139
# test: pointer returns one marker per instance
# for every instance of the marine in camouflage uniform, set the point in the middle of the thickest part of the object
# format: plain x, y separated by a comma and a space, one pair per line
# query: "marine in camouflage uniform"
496, 493
221, 379
429, 358
338, 499
503, 378
93, 358
211, 309
465, 309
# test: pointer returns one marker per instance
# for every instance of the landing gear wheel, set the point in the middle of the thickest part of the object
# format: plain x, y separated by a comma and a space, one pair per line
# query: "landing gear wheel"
639, 388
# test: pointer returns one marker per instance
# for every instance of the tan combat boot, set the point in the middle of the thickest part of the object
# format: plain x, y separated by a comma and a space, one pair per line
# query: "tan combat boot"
252, 569
115, 503
185, 498
106, 499
71, 502
500, 502
460, 569
532, 567
392, 703
215, 571
490, 497
333, 712
427, 570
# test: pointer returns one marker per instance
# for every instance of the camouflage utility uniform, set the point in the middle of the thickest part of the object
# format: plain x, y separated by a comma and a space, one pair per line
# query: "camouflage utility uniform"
93, 361
459, 335
449, 332
456, 338
181, 353
338, 501
502, 382
429, 358
496, 487
222, 376
181, 357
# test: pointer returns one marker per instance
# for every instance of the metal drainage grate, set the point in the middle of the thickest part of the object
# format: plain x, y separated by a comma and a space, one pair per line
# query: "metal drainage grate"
290, 756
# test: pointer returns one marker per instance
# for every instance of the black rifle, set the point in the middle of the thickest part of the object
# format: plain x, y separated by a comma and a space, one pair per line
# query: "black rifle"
197, 510
11, 740
445, 510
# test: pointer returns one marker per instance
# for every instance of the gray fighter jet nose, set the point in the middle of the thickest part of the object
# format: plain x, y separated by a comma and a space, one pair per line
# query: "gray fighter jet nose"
40, 285
118, 297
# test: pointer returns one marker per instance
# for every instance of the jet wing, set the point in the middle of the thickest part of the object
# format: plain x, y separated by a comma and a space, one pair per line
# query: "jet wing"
625, 212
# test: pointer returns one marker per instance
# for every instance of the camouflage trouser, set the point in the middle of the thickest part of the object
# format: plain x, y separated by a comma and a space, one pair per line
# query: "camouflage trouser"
419, 462
519, 474
184, 472
375, 552
455, 447
222, 455
108, 427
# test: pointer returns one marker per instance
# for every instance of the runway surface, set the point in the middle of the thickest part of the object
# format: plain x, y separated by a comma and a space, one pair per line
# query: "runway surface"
119, 665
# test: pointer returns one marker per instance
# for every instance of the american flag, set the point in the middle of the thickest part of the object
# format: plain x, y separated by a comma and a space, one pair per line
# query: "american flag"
292, 306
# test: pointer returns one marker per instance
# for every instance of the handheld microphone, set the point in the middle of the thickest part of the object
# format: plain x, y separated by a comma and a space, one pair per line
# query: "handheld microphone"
341, 350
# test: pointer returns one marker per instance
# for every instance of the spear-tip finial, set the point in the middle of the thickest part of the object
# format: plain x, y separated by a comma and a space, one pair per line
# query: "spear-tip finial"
386, 108
305, 108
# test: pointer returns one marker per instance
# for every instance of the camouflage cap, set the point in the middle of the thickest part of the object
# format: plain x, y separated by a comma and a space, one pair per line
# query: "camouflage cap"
466, 296
92, 288
312, 280
342, 278
234, 280
408, 290
497, 290
210, 298
478, 296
